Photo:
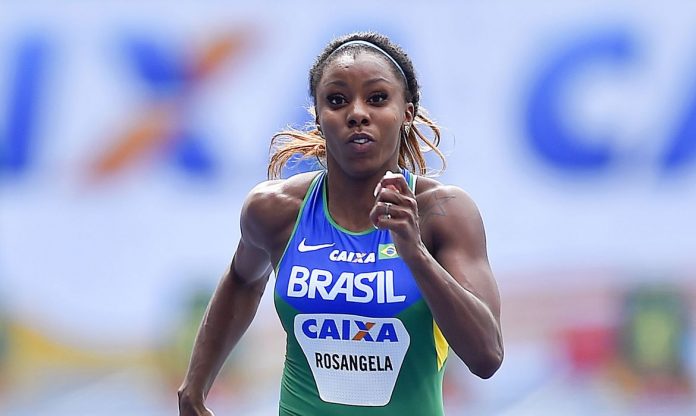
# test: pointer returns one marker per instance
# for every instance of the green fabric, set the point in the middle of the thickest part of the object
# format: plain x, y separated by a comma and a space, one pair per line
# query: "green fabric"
418, 389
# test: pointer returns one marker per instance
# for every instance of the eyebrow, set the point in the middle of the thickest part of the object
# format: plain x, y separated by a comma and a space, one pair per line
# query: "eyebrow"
341, 83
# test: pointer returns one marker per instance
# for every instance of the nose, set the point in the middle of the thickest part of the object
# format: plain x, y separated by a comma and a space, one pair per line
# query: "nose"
358, 115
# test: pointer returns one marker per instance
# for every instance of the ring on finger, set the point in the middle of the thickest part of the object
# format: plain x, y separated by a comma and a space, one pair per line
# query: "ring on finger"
386, 210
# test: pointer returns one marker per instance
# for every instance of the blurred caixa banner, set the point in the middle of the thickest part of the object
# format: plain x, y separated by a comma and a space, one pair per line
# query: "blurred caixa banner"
130, 134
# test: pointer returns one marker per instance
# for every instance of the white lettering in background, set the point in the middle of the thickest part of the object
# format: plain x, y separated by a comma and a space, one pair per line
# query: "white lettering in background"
355, 360
359, 288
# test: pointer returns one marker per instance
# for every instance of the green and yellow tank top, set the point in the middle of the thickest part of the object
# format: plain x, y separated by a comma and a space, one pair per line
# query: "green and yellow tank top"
360, 338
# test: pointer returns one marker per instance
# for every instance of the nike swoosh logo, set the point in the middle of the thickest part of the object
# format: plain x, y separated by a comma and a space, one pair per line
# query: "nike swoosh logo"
302, 248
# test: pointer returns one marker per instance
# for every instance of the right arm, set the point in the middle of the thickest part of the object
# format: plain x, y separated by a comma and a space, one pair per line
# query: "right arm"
232, 307
231, 310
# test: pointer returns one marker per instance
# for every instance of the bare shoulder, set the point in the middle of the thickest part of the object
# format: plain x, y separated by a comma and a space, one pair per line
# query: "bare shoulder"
447, 211
434, 197
271, 207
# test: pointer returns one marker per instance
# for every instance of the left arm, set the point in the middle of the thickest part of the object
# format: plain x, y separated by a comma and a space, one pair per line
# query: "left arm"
455, 280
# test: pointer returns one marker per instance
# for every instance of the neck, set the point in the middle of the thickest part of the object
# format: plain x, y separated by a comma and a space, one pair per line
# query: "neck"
350, 199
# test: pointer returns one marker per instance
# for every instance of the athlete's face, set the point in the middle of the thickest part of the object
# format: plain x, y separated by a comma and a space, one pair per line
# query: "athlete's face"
361, 108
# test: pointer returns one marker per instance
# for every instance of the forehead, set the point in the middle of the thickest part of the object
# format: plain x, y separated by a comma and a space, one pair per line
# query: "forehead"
360, 63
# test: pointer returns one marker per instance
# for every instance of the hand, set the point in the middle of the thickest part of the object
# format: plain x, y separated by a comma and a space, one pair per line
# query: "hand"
189, 408
194, 411
396, 209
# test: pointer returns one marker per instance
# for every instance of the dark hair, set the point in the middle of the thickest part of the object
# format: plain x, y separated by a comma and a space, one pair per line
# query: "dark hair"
310, 143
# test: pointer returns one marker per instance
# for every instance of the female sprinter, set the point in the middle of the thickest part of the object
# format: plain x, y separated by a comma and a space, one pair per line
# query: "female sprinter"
378, 271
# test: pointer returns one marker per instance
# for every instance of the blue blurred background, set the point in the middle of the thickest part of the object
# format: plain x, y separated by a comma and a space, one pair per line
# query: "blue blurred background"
130, 133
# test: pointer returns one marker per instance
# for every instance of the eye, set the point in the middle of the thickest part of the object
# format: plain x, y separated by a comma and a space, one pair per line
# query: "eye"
336, 99
378, 98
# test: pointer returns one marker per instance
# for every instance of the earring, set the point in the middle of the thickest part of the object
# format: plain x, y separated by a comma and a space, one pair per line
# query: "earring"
407, 129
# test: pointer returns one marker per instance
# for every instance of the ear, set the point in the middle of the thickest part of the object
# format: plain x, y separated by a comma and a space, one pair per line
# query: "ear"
409, 113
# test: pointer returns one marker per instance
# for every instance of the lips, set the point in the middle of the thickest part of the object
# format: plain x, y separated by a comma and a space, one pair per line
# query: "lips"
360, 143
360, 138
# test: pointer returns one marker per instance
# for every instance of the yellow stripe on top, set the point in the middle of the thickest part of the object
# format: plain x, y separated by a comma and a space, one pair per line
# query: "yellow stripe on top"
441, 346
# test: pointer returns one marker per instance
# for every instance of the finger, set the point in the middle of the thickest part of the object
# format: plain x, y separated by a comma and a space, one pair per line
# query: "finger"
379, 213
385, 214
396, 182
389, 184
391, 193
390, 196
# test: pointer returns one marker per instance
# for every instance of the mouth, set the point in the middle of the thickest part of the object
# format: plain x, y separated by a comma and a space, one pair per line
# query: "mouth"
360, 138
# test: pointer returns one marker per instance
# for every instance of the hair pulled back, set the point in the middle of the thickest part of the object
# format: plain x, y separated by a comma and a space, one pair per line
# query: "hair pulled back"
309, 141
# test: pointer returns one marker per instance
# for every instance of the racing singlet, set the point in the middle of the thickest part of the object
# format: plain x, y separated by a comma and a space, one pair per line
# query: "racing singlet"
360, 338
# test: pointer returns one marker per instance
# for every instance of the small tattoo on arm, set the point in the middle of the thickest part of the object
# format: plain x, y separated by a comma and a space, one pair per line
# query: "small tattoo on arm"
434, 207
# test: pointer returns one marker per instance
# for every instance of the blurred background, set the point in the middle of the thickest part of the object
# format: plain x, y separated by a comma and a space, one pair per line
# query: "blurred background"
130, 133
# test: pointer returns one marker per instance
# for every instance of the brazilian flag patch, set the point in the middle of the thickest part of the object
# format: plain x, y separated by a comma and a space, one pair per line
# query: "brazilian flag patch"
387, 251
